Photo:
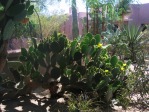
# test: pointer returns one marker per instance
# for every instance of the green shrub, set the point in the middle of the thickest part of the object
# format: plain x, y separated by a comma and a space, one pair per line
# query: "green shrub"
81, 103
129, 43
138, 84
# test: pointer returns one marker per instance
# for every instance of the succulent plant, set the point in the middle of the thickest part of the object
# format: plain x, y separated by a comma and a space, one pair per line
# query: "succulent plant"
80, 66
12, 13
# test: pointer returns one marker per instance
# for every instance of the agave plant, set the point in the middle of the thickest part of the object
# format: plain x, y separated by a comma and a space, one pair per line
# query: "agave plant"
134, 38
128, 42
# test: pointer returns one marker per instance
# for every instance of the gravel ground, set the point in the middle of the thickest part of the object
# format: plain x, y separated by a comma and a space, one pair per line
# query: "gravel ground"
41, 103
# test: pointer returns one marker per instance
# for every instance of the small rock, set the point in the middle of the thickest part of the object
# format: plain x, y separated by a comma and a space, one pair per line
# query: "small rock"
61, 100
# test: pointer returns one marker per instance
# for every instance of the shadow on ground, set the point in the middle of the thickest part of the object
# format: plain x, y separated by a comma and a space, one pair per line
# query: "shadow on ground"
32, 103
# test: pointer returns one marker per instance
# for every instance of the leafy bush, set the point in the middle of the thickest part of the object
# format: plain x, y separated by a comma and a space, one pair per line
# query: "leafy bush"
131, 43
138, 84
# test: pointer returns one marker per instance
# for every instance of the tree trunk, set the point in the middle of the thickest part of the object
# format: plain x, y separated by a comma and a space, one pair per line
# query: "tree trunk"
86, 18
122, 20
103, 22
97, 21
94, 22
75, 30
3, 55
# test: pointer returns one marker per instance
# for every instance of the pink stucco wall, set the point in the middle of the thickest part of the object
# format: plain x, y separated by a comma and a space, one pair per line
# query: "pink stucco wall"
67, 26
139, 15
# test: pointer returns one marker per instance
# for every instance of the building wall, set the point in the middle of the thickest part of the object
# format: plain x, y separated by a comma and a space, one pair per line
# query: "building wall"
67, 26
139, 15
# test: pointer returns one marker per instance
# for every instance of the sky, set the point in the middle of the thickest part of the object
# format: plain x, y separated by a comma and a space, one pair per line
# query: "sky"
63, 7
143, 1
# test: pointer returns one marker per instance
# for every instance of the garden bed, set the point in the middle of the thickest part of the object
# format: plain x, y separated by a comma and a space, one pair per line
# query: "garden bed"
94, 79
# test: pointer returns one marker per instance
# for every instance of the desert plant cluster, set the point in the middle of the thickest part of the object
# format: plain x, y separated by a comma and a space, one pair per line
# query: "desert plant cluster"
104, 68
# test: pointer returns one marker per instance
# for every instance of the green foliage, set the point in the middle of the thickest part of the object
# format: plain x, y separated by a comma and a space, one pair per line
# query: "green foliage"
8, 30
47, 55
27, 4
101, 19
123, 6
1, 80
114, 61
25, 30
21, 16
80, 103
49, 24
134, 38
15, 10
30, 10
11, 13
138, 83
8, 4
128, 43
115, 39
81, 65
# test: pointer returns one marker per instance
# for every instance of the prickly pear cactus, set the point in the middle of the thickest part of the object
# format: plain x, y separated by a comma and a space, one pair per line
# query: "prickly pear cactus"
43, 63
13, 11
8, 30
81, 65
